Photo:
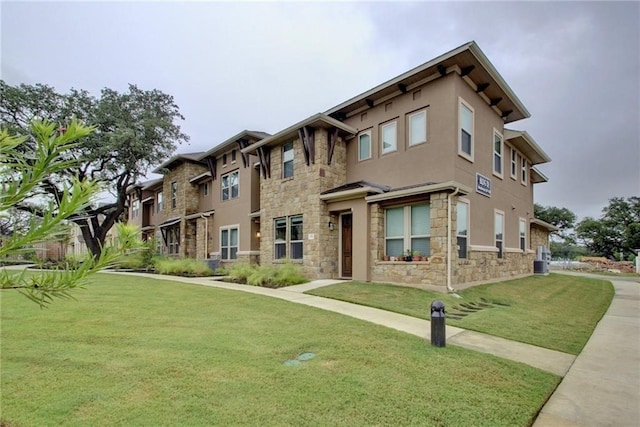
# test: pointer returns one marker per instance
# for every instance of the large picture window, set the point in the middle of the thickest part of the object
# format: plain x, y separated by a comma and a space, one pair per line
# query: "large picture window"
364, 146
417, 127
465, 147
229, 243
499, 231
389, 137
230, 185
287, 160
408, 228
289, 238
462, 232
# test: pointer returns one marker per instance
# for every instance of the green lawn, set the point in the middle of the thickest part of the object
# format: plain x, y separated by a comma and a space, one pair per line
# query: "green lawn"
144, 352
555, 311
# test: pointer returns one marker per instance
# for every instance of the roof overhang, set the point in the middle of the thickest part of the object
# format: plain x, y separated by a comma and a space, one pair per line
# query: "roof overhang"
148, 228
147, 200
537, 177
318, 120
150, 184
199, 178
255, 214
200, 215
451, 186
176, 160
543, 224
468, 61
232, 142
355, 193
171, 221
524, 143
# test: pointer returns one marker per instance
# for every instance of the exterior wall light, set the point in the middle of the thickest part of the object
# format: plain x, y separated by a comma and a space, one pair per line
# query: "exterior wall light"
330, 225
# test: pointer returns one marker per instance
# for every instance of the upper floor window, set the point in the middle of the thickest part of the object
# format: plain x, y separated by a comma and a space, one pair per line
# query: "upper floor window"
205, 189
287, 160
523, 234
288, 237
389, 133
499, 231
135, 209
230, 185
229, 243
159, 201
418, 127
463, 228
408, 228
523, 171
514, 163
174, 195
364, 145
233, 156
465, 143
498, 147
224, 159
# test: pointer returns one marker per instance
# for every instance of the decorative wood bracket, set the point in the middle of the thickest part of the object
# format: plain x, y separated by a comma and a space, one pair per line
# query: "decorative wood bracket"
333, 139
307, 136
482, 87
264, 154
139, 193
211, 163
243, 143
163, 231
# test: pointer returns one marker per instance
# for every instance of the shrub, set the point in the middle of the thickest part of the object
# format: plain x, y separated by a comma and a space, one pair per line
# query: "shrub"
182, 267
241, 271
267, 276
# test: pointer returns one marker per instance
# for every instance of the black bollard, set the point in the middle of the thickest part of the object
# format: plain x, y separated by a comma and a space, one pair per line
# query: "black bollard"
438, 333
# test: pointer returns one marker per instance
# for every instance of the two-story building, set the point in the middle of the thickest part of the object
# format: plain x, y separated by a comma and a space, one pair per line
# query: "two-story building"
421, 164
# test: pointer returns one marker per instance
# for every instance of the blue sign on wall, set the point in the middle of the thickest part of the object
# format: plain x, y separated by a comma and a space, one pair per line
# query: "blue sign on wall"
483, 185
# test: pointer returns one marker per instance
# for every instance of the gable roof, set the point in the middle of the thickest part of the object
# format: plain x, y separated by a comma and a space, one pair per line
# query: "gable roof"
177, 159
467, 59
249, 135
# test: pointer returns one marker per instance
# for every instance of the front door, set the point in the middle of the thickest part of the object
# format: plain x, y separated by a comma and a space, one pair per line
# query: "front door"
347, 242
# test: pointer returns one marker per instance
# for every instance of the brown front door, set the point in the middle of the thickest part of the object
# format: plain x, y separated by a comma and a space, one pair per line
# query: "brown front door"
347, 242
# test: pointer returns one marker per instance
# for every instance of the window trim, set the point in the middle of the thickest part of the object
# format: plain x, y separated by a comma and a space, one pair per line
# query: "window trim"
461, 153
499, 174
361, 134
287, 243
407, 237
409, 133
514, 163
466, 236
284, 162
524, 171
500, 248
522, 224
229, 229
394, 148
227, 177
135, 208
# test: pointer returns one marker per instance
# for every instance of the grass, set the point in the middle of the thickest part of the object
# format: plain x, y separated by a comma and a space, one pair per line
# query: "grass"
555, 311
140, 351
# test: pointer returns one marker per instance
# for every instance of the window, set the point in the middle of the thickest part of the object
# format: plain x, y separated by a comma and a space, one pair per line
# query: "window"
230, 185
287, 160
205, 189
229, 243
173, 239
465, 146
389, 137
174, 195
514, 163
408, 228
497, 153
499, 230
523, 171
289, 232
418, 127
364, 146
135, 209
233, 156
523, 234
224, 159
463, 229
159, 201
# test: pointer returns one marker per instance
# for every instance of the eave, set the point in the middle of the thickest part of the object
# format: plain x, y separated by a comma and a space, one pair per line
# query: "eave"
544, 224
200, 215
524, 143
468, 61
421, 189
176, 160
232, 142
199, 178
356, 193
538, 177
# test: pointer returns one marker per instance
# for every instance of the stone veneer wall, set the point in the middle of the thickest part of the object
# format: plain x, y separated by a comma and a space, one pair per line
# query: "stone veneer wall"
186, 203
538, 237
300, 195
485, 265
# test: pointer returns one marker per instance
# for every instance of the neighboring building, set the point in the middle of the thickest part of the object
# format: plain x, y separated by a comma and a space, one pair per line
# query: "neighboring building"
421, 163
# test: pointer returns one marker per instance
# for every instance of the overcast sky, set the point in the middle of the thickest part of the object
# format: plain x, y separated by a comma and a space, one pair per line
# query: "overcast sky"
264, 66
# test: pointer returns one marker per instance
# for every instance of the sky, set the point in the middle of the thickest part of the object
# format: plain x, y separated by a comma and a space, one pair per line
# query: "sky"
263, 66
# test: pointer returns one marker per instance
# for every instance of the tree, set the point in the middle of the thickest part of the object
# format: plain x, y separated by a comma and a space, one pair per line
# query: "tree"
133, 131
24, 171
562, 218
617, 230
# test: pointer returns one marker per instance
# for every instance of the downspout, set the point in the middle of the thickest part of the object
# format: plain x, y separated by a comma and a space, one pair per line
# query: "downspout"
449, 243
206, 234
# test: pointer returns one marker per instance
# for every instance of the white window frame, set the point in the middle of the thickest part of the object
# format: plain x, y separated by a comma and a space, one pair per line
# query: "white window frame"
287, 242
514, 164
174, 194
229, 256
523, 234
500, 248
394, 146
407, 237
469, 156
524, 172
159, 201
284, 162
135, 208
410, 116
360, 135
498, 155
225, 184
459, 236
